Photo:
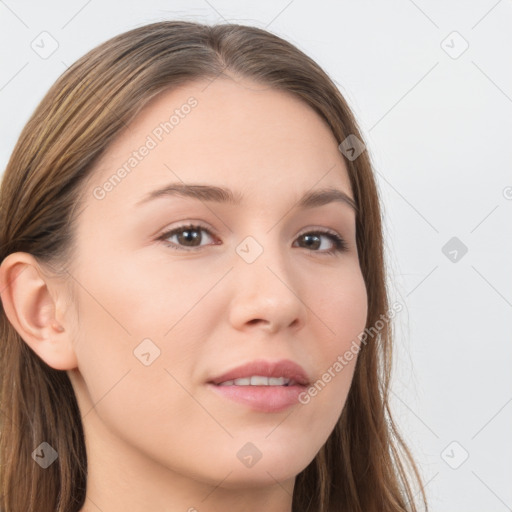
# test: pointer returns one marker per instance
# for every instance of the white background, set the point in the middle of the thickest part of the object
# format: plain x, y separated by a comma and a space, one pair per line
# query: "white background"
439, 131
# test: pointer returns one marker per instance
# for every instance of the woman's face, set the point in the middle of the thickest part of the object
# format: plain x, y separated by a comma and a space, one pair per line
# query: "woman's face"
159, 316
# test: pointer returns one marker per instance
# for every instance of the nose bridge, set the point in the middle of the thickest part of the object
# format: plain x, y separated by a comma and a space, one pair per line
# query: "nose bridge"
261, 256
265, 287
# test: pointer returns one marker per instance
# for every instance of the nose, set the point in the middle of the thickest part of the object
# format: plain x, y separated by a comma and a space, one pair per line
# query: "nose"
266, 295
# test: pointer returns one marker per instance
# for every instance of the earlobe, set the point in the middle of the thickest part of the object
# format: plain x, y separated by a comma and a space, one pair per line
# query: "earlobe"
32, 310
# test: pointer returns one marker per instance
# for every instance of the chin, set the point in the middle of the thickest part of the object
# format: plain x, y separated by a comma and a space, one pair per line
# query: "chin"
271, 466
258, 476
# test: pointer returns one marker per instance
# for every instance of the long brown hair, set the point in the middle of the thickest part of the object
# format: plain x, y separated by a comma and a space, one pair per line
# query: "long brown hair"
364, 466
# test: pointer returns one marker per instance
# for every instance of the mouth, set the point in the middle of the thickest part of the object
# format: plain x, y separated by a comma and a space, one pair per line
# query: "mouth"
264, 373
263, 386
259, 380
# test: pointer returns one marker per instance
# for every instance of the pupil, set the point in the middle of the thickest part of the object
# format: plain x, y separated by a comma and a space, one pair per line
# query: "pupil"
312, 236
192, 235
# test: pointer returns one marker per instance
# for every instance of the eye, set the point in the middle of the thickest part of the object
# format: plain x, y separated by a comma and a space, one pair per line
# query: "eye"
188, 238
188, 235
314, 238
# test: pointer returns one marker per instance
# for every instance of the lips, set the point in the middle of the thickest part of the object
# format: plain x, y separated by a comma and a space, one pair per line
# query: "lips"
284, 369
262, 386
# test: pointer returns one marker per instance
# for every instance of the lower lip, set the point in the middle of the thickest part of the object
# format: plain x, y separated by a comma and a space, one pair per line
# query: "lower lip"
262, 398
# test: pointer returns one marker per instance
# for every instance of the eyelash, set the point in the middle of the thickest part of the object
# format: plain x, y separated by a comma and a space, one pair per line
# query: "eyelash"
340, 245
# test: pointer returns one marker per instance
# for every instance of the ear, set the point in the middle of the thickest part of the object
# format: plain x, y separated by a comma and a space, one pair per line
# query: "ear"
33, 311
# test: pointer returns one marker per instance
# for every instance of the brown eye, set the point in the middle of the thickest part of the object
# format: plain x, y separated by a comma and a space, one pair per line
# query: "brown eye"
188, 236
313, 241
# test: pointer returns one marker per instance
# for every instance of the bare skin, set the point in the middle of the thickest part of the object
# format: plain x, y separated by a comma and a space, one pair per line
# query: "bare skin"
157, 437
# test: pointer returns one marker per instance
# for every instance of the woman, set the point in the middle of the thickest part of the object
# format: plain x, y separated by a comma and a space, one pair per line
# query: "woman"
194, 306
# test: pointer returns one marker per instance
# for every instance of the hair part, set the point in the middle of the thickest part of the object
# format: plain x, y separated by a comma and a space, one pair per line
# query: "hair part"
364, 466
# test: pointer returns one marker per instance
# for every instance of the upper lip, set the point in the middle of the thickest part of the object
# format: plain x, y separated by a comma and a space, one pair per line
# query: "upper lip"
283, 368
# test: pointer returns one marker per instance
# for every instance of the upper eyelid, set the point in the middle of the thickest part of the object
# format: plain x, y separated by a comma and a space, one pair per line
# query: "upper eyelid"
195, 225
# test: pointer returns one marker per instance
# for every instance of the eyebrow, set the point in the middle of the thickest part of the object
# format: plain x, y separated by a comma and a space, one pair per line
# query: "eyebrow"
311, 199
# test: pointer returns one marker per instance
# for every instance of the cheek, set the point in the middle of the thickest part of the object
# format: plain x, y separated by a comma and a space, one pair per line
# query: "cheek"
342, 308
121, 328
349, 320
137, 328
135, 298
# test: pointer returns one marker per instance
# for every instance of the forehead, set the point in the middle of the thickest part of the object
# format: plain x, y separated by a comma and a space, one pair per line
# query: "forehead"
228, 132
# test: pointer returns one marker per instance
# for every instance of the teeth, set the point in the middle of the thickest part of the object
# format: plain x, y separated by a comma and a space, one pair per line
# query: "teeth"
257, 380
278, 381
